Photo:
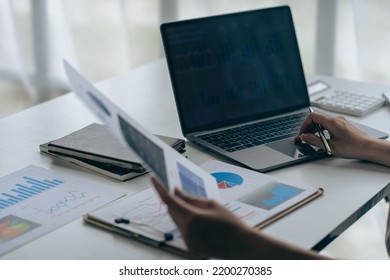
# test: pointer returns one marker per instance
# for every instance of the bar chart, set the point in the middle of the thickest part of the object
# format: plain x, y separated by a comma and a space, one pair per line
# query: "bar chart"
27, 187
35, 201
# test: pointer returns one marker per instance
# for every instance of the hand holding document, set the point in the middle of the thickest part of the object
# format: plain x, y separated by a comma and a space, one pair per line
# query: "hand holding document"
255, 198
172, 169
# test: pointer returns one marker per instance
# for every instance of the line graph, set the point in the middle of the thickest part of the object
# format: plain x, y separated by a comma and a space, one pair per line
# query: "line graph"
144, 211
70, 201
149, 211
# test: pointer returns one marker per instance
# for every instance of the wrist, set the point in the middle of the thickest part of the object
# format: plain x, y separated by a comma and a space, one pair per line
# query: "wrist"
376, 150
256, 245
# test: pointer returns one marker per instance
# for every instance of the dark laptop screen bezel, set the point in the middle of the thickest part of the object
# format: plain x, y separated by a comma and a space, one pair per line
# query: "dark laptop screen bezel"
277, 11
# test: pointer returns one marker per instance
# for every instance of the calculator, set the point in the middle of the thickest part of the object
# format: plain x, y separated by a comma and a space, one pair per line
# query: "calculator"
343, 101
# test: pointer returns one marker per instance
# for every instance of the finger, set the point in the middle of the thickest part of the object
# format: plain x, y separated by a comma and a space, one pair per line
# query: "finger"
297, 138
196, 201
308, 125
161, 190
180, 204
326, 122
174, 202
170, 200
312, 139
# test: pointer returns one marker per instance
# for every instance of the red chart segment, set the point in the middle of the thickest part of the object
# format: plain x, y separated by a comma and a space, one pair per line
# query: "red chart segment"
227, 180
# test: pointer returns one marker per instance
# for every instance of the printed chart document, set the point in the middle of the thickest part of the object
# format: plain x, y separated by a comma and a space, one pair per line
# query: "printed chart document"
256, 198
171, 168
34, 201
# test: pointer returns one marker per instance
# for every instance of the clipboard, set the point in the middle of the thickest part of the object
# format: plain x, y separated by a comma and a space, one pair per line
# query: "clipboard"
154, 240
148, 202
318, 193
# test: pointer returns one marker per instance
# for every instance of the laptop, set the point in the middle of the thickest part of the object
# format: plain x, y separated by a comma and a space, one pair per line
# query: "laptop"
240, 88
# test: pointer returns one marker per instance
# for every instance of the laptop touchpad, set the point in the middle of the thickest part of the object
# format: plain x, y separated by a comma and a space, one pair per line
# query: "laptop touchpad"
292, 149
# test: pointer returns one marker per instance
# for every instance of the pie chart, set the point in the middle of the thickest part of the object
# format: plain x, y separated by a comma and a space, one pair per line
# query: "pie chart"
227, 180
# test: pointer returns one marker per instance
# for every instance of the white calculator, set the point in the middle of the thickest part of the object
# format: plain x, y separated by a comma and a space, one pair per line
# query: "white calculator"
343, 101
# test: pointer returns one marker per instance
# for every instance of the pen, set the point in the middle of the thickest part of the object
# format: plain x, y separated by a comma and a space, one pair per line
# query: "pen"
149, 238
322, 136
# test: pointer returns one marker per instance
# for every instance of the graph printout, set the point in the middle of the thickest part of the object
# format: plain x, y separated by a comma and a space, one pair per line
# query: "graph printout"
34, 201
174, 170
253, 196
147, 213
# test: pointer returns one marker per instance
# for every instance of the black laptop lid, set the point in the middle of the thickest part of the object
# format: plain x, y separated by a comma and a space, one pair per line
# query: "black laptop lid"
234, 68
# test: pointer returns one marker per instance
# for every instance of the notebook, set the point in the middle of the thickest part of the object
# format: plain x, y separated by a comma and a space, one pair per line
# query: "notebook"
95, 148
240, 88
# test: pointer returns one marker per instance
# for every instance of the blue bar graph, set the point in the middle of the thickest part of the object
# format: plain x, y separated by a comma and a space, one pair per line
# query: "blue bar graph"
25, 190
37, 187
4, 203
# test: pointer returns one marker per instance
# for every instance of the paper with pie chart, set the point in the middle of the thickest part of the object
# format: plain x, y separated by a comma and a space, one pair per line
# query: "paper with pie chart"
227, 180
253, 196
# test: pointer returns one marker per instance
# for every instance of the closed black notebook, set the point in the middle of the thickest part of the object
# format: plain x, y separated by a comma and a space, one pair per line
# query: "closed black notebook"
95, 148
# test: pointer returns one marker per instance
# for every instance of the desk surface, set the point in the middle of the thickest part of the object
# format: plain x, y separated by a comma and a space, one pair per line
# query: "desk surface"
351, 187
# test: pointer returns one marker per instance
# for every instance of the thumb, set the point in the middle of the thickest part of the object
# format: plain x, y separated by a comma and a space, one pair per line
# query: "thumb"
312, 139
195, 201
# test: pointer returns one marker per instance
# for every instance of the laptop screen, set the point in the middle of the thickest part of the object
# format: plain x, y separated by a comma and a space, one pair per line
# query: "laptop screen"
234, 68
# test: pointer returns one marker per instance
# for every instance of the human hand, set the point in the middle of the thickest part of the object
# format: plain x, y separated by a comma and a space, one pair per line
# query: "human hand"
211, 230
207, 227
345, 141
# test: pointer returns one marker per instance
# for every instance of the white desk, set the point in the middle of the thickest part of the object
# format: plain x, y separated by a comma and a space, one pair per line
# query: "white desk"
351, 187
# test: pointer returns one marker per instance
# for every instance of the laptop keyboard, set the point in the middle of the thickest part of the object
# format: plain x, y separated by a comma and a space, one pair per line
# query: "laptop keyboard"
243, 137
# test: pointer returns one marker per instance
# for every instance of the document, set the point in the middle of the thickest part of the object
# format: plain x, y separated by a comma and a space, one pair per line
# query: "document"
171, 168
34, 201
257, 199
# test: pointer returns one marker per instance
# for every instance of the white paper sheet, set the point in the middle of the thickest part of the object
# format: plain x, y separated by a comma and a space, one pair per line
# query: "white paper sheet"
34, 201
254, 197
174, 170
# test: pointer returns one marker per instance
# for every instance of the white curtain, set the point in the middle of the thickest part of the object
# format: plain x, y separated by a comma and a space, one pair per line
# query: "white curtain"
372, 22
101, 37
13, 66
106, 37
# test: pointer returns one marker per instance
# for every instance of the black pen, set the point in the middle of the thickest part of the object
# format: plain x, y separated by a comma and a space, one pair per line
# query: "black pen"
147, 238
322, 135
